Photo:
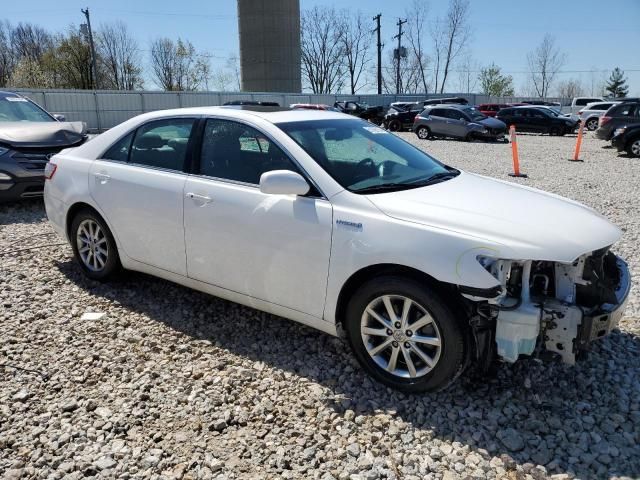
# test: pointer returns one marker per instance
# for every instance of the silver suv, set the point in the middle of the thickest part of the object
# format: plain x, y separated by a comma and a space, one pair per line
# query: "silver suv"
457, 121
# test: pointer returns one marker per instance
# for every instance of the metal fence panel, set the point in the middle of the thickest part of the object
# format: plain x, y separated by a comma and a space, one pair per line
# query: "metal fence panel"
104, 109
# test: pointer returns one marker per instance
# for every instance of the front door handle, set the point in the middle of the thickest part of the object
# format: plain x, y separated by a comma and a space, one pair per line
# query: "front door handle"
202, 198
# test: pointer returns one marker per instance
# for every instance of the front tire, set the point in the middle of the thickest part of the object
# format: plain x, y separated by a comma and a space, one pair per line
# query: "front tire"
404, 335
395, 126
633, 148
94, 246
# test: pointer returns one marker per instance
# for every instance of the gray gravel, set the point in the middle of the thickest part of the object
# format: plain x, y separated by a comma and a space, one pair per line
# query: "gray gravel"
171, 383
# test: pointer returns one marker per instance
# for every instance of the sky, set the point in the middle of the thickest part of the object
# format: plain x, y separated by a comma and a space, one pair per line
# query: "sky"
503, 31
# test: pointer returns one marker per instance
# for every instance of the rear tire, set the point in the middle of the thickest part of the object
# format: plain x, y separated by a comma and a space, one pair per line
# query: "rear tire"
554, 131
423, 133
395, 126
94, 247
423, 353
592, 124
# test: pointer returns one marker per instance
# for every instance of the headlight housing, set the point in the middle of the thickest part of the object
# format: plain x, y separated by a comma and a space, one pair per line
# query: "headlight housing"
4, 177
619, 131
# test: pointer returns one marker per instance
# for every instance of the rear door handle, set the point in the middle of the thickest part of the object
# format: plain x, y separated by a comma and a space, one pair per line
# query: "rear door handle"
202, 198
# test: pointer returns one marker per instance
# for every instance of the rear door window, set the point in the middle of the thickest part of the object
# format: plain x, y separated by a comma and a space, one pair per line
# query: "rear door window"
119, 151
162, 143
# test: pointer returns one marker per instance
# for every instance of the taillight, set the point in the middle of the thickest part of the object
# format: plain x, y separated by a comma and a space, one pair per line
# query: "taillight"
603, 120
416, 118
50, 170
580, 112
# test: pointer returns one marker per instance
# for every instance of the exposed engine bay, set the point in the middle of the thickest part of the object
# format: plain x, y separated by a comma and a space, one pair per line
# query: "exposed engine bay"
549, 306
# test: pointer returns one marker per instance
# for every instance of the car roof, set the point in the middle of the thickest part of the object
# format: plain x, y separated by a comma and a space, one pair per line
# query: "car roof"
8, 94
455, 106
272, 115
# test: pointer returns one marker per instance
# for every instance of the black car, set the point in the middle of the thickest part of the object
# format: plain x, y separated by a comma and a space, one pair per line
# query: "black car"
618, 116
448, 100
362, 110
537, 119
627, 138
398, 119
29, 136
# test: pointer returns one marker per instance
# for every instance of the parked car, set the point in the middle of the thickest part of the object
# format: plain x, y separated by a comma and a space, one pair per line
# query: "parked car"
29, 136
398, 119
592, 112
617, 116
457, 121
362, 110
491, 109
444, 101
542, 103
578, 103
432, 269
627, 138
402, 106
537, 119
312, 106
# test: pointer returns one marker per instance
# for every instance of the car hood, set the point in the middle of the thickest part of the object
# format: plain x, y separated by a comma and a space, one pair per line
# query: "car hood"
529, 223
41, 134
491, 122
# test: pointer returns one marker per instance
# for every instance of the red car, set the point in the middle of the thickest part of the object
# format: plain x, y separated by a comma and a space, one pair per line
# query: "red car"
491, 109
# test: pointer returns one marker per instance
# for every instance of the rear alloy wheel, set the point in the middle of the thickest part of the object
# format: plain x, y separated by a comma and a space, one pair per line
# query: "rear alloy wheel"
404, 335
395, 125
592, 124
94, 246
423, 133
633, 148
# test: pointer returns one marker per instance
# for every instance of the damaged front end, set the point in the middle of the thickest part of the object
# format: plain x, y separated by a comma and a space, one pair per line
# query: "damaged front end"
548, 306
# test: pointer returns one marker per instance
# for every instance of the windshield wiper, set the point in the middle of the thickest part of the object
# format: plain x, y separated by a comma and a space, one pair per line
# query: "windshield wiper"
385, 187
437, 178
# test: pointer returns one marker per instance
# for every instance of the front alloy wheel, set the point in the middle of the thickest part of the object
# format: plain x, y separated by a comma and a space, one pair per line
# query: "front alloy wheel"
406, 344
404, 335
634, 148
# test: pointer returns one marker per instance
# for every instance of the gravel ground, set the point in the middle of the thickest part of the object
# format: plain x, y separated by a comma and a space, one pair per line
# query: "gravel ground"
171, 383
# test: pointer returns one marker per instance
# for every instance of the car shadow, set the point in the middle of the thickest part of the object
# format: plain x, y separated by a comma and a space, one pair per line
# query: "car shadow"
529, 412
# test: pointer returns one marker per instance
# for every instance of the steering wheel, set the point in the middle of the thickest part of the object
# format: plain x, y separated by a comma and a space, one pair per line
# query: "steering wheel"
368, 165
386, 168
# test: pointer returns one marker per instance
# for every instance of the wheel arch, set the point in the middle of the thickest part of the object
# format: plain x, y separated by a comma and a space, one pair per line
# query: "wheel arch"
82, 205
357, 279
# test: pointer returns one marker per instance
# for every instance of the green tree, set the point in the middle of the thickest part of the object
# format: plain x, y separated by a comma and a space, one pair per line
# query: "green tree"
494, 83
617, 84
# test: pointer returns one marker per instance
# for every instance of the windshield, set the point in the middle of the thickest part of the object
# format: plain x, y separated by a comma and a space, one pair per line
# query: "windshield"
364, 158
18, 109
474, 114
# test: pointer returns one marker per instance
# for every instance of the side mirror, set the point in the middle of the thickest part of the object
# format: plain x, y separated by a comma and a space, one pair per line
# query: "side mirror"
283, 182
59, 117
463, 120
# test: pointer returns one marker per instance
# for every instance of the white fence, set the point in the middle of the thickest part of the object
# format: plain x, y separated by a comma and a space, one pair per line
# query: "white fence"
103, 109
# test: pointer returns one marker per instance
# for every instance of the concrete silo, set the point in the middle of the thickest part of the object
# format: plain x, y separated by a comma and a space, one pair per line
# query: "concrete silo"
269, 45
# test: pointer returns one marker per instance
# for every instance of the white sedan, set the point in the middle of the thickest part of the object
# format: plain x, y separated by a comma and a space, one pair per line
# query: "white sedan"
333, 222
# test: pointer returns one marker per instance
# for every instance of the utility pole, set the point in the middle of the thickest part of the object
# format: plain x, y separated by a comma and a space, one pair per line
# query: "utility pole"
377, 29
399, 52
94, 70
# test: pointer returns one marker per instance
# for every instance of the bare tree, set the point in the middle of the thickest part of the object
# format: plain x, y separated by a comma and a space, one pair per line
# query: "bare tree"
456, 34
570, 88
355, 38
177, 66
119, 57
7, 59
544, 63
410, 77
416, 33
322, 50
30, 41
69, 65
